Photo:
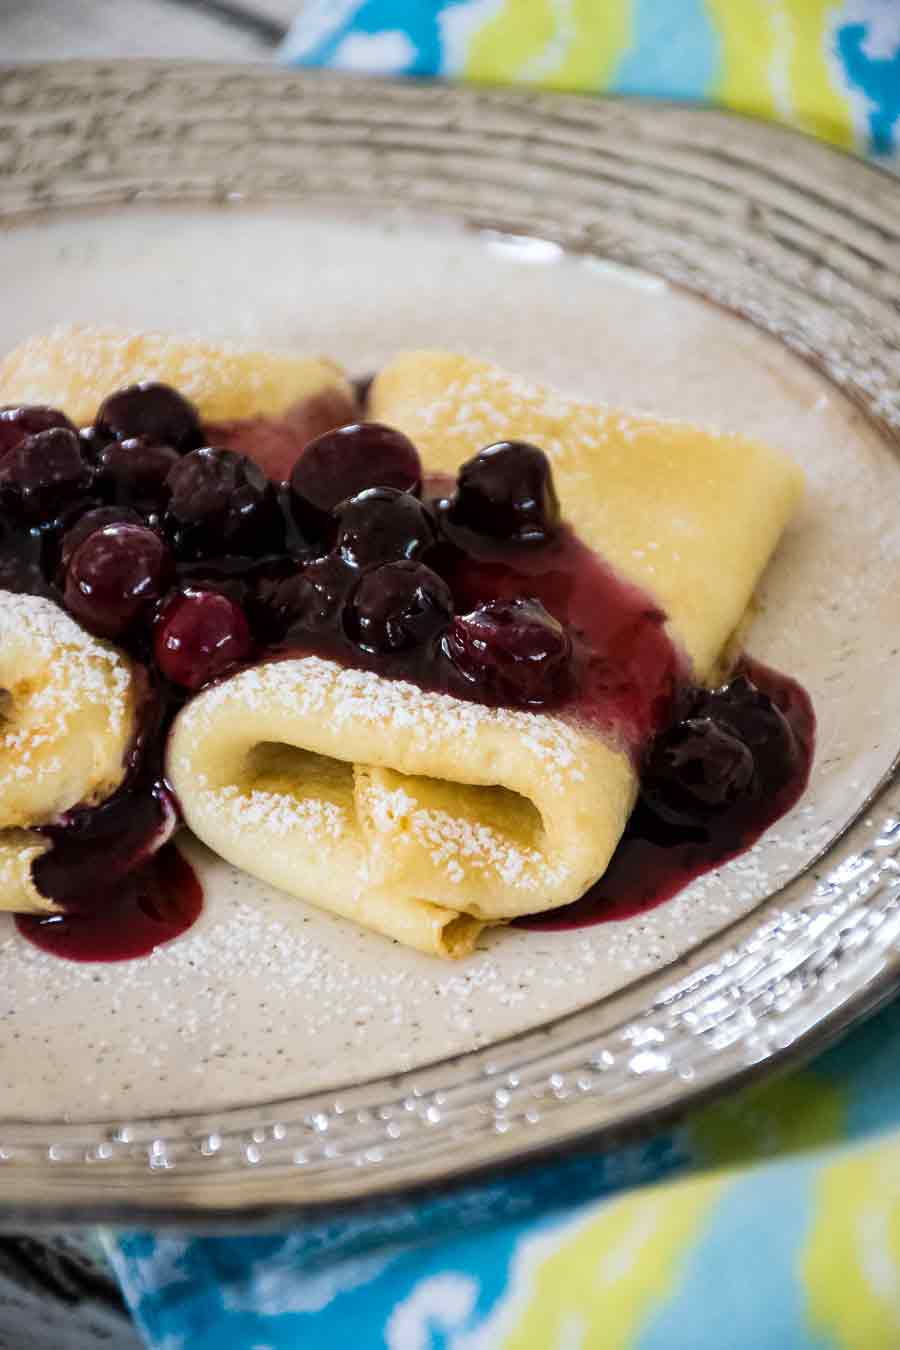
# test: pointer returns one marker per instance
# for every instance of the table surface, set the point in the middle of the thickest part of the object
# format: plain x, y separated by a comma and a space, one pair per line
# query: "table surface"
55, 1293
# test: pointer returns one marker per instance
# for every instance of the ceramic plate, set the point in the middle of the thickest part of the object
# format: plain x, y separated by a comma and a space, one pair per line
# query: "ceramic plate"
664, 258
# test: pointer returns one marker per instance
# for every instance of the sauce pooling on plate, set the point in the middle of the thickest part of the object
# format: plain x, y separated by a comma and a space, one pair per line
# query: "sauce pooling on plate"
656, 859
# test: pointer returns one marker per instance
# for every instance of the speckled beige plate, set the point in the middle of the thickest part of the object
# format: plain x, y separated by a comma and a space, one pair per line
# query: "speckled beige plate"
276, 1057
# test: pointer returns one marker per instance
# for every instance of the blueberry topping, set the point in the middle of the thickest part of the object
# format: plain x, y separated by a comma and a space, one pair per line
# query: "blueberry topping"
504, 495
343, 463
382, 525
200, 635
310, 601
751, 715
398, 606
114, 575
155, 412
134, 472
43, 474
18, 422
697, 769
221, 502
513, 651
89, 522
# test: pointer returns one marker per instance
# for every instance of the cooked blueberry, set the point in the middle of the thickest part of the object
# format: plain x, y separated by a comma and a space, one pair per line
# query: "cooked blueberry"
43, 474
199, 635
697, 769
751, 715
114, 575
398, 606
154, 411
505, 495
91, 444
310, 601
512, 651
91, 521
381, 525
343, 463
18, 422
221, 502
134, 472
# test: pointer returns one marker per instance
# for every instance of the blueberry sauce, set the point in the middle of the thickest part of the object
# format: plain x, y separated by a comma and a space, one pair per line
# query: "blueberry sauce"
656, 859
151, 905
275, 442
200, 549
628, 668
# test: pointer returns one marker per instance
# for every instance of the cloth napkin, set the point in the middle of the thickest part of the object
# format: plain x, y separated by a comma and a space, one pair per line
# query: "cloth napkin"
769, 1220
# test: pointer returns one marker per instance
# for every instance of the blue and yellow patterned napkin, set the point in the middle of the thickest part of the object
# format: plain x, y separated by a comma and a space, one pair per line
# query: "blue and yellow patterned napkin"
769, 1222
829, 67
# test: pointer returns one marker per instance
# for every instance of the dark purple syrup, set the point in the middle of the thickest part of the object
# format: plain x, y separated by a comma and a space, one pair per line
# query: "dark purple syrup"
629, 668
654, 860
149, 906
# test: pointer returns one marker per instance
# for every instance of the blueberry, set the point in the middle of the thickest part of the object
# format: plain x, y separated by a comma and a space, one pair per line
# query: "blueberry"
114, 576
18, 422
93, 520
511, 651
153, 411
382, 525
751, 715
310, 601
134, 472
199, 635
43, 474
697, 769
398, 606
504, 495
220, 502
344, 462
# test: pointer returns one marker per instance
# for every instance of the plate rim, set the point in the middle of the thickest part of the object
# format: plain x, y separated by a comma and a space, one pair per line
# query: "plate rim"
147, 1170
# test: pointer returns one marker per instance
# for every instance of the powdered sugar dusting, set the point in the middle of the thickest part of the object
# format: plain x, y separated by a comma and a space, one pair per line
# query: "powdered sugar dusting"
276, 811
459, 845
62, 682
312, 686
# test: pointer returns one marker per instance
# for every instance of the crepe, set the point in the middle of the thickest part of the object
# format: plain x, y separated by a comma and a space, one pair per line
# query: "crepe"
67, 721
423, 816
75, 368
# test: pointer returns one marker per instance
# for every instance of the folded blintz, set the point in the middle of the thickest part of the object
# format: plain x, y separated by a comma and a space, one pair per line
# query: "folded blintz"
426, 816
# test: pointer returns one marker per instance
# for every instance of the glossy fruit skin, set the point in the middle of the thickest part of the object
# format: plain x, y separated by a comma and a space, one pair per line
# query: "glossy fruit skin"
511, 652
43, 475
383, 525
134, 473
87, 523
504, 496
20, 421
753, 717
154, 412
398, 607
697, 770
114, 576
311, 601
344, 462
198, 636
221, 503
